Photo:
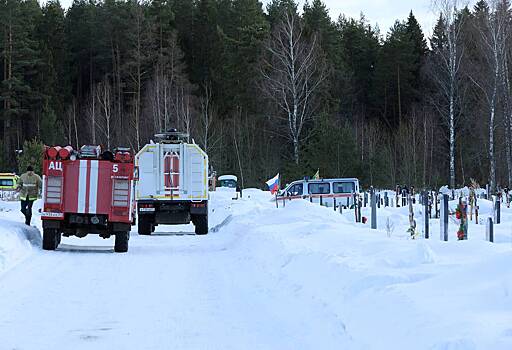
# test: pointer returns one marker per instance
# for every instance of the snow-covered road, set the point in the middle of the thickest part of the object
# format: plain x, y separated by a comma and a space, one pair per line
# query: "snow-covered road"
302, 277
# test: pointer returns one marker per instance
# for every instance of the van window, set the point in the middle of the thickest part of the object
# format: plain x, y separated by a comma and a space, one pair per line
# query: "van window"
295, 190
319, 188
343, 187
6, 182
227, 183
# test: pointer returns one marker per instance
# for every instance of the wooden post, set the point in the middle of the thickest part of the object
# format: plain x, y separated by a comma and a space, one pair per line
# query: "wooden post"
426, 213
489, 230
334, 202
412, 222
321, 203
444, 217
487, 194
465, 219
374, 209
497, 211
436, 198
277, 201
430, 198
378, 200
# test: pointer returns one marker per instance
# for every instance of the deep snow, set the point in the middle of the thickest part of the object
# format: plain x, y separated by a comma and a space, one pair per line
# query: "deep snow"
299, 277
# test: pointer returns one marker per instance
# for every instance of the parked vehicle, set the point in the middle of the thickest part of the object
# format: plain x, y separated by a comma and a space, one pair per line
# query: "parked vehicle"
229, 181
325, 191
87, 191
172, 184
8, 181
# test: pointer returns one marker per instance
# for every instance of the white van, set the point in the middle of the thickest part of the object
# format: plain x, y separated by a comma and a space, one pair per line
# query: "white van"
326, 191
230, 181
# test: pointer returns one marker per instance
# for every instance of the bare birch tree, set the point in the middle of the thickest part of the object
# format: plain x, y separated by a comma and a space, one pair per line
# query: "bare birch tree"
504, 10
206, 118
91, 113
72, 127
449, 57
292, 75
169, 91
493, 37
105, 104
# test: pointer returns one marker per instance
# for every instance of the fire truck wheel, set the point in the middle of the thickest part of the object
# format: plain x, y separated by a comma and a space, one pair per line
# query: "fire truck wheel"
51, 238
121, 242
144, 227
201, 224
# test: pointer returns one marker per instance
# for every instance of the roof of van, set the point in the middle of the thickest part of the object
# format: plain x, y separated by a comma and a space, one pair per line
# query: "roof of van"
346, 179
227, 177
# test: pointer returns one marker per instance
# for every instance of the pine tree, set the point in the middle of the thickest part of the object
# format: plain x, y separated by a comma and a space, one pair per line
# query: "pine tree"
55, 72
396, 74
419, 53
21, 92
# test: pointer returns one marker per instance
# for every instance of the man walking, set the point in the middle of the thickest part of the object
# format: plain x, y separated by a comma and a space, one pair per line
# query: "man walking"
29, 186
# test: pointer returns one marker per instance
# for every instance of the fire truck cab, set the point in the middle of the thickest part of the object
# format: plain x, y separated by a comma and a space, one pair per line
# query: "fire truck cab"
87, 191
172, 184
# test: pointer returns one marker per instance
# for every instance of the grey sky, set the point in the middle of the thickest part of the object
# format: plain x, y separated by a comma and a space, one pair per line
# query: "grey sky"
383, 12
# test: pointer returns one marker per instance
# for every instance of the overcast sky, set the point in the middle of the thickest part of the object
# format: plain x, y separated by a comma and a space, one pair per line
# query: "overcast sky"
383, 12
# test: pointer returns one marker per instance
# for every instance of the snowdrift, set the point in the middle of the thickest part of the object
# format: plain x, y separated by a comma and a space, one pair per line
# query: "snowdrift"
16, 239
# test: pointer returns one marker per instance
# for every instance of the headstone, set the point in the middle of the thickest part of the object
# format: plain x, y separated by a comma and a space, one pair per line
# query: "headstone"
373, 201
489, 230
497, 211
444, 217
436, 201
426, 213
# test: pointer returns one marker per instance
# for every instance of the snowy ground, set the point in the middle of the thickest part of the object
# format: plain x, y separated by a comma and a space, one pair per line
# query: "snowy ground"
299, 277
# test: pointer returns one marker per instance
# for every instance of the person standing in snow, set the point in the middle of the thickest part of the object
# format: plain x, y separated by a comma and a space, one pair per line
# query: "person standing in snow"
29, 186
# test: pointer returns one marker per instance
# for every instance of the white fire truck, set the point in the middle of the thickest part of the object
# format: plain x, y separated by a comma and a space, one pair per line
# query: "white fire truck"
172, 184
87, 191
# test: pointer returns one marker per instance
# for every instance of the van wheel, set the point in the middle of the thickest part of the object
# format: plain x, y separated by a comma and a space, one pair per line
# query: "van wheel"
121, 242
50, 239
201, 224
144, 227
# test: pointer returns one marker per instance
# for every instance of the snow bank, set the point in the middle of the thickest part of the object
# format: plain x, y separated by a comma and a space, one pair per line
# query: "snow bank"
16, 242
16, 239
384, 292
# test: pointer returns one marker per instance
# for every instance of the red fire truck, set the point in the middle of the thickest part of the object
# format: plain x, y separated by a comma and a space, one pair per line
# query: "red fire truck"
87, 191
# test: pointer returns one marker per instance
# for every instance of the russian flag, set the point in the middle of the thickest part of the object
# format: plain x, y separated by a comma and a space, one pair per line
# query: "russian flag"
273, 184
